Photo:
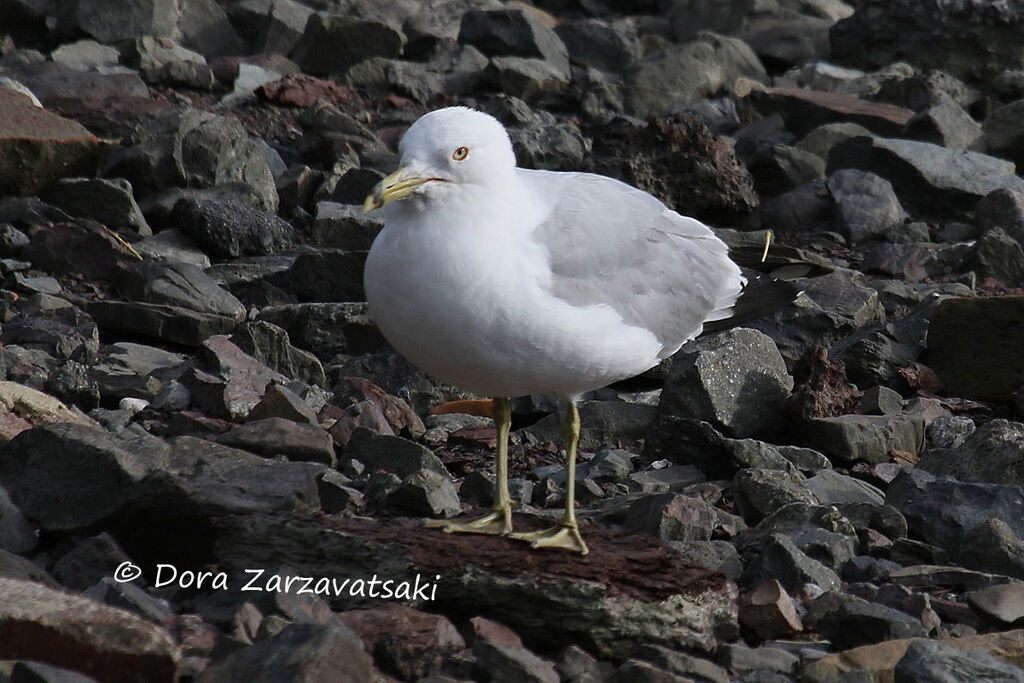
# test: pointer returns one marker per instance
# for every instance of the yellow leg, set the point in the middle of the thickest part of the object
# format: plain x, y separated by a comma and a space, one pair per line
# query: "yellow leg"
499, 520
567, 534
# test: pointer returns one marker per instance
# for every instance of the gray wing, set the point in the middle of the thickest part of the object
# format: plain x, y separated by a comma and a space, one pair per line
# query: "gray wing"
609, 243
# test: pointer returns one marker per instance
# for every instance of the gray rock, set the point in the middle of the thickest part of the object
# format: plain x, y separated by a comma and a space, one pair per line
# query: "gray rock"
601, 423
391, 453
525, 77
818, 531
790, 40
324, 275
345, 226
64, 332
17, 535
674, 478
858, 622
1002, 209
634, 670
880, 400
600, 43
299, 651
804, 110
172, 245
778, 168
943, 511
274, 436
178, 284
85, 55
326, 329
808, 207
272, 346
820, 140
110, 202
147, 53
722, 377
868, 438
880, 33
998, 256
672, 517
426, 492
929, 661
203, 25
688, 73
71, 383
513, 32
282, 27
994, 453
229, 229
743, 659
758, 492
89, 561
195, 149
949, 431
925, 176
946, 124
1002, 604
539, 140
992, 546
718, 556
609, 465
1003, 135
110, 22
457, 70
333, 43
865, 205
777, 557
244, 379
130, 597
282, 402
831, 488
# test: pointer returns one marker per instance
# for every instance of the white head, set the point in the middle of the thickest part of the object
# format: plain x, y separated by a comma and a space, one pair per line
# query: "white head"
446, 150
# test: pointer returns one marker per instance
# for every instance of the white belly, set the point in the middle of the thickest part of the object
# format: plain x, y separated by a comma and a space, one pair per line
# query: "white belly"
459, 308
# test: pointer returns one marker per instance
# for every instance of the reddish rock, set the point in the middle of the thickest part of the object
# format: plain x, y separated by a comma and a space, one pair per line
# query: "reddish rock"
362, 414
820, 387
405, 642
303, 91
398, 413
38, 147
72, 632
768, 611
493, 632
804, 110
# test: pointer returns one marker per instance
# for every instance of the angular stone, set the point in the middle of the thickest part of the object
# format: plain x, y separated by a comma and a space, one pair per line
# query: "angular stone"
513, 32
672, 517
272, 346
866, 206
858, 622
993, 453
246, 378
832, 488
1002, 209
427, 493
178, 284
333, 43
1003, 604
229, 229
997, 256
992, 546
274, 436
777, 557
930, 660
69, 631
868, 438
804, 110
298, 652
345, 226
688, 73
718, 556
324, 275
281, 402
971, 343
721, 378
391, 453
946, 124
508, 664
769, 612
109, 202
943, 511
405, 642
16, 534
760, 492
927, 177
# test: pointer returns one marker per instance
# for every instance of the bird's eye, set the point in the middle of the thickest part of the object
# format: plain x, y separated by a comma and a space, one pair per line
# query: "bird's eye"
460, 153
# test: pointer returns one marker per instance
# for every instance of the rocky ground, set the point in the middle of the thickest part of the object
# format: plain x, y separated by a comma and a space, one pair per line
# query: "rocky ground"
213, 468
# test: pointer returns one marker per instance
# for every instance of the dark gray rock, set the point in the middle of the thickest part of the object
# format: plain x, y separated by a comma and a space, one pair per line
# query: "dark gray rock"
195, 149
949, 432
808, 207
525, 77
505, 663
868, 438
758, 493
718, 556
672, 517
1003, 135
859, 622
818, 531
790, 40
998, 256
778, 168
456, 70
994, 453
927, 177
929, 661
539, 140
600, 43
324, 275
203, 25
137, 359
113, 21
17, 535
804, 110
229, 229
345, 226
178, 284
776, 557
158, 321
880, 33
391, 454
282, 402
274, 436
820, 140
674, 478
109, 202
513, 32
271, 345
601, 423
943, 511
298, 652
425, 492
244, 379
831, 488
688, 73
721, 378
768, 660
1002, 209
89, 561
172, 245
333, 43
72, 384
865, 205
63, 331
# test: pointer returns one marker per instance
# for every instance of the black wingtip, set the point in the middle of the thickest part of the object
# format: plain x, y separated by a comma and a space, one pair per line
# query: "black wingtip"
761, 296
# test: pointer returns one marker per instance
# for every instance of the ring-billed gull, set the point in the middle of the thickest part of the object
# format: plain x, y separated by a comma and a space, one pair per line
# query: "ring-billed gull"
506, 281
